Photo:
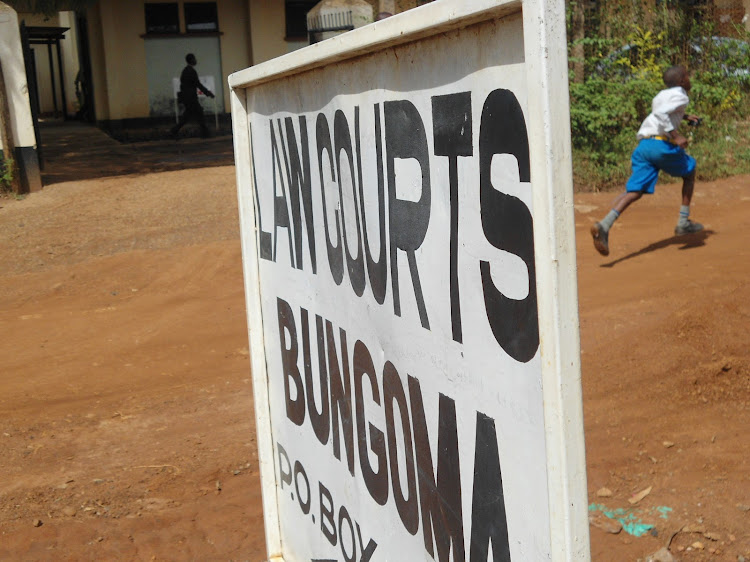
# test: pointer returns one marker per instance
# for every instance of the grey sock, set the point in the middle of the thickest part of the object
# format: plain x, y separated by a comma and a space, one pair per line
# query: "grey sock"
684, 214
607, 221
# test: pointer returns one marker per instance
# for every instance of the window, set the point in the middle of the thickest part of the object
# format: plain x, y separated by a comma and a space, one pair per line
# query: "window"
201, 16
296, 18
162, 18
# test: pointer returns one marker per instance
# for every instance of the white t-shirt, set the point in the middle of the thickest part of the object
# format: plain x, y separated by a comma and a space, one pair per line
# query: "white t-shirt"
667, 110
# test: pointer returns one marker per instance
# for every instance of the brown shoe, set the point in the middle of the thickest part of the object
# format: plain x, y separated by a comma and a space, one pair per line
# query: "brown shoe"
601, 239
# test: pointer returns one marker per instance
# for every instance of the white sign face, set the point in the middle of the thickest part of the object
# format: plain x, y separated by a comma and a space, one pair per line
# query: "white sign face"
394, 245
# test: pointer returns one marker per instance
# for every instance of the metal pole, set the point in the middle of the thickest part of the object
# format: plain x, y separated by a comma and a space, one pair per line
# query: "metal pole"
52, 76
61, 70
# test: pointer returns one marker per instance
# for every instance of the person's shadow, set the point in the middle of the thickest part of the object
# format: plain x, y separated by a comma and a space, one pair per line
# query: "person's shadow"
686, 240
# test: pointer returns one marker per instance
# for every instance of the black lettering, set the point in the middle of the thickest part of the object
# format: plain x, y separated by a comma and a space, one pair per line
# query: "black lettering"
300, 186
343, 142
507, 225
376, 481
377, 271
280, 204
341, 396
335, 251
285, 476
366, 552
439, 500
320, 420
265, 239
405, 137
299, 470
344, 516
295, 407
451, 119
488, 520
393, 391
326, 515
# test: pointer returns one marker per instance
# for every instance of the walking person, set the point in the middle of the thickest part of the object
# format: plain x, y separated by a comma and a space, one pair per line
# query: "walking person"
188, 96
660, 147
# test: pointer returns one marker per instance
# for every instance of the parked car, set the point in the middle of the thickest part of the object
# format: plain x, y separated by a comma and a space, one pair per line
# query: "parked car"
732, 56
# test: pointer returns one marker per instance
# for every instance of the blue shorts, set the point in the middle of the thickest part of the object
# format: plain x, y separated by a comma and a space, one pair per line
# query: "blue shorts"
652, 155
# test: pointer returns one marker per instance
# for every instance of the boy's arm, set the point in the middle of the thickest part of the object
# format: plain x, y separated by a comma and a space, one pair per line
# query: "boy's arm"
678, 138
676, 103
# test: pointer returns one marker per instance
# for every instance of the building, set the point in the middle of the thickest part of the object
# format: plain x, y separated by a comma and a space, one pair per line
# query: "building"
127, 53
117, 62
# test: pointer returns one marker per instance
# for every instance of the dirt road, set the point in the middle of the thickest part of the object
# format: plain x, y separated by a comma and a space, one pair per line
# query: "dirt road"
126, 423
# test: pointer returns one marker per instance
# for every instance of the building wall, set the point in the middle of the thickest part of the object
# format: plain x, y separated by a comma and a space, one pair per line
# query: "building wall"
395, 6
41, 59
69, 54
69, 48
98, 63
251, 31
267, 30
119, 50
122, 23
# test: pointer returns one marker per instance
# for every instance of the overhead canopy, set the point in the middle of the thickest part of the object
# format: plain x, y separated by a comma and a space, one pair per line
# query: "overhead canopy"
45, 35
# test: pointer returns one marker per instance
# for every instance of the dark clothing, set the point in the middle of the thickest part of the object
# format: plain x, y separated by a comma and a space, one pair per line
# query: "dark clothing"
188, 96
190, 84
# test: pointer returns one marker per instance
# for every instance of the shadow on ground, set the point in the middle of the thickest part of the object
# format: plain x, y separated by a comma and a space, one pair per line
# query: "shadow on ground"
78, 151
686, 241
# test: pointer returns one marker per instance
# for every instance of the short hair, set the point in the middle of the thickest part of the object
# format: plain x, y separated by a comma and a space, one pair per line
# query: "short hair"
188, 57
673, 75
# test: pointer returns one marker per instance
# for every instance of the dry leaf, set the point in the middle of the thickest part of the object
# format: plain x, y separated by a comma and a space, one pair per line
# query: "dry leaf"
639, 496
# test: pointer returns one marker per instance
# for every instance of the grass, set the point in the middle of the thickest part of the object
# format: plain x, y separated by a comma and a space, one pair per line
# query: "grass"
721, 150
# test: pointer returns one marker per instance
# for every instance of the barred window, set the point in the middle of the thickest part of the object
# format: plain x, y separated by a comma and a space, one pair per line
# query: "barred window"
201, 16
162, 17
296, 18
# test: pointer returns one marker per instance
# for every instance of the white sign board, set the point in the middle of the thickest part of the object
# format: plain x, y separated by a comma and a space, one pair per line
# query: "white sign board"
406, 210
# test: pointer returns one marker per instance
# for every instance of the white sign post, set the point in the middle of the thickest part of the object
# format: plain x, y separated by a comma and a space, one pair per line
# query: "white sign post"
407, 225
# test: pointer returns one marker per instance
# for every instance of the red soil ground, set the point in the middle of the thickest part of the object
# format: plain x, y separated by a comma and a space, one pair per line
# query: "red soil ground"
126, 422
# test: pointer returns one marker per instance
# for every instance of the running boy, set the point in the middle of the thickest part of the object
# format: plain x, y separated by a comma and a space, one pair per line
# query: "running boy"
660, 147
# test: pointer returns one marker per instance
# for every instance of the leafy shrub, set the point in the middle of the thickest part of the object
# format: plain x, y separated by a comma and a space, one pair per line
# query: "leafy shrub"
7, 169
624, 73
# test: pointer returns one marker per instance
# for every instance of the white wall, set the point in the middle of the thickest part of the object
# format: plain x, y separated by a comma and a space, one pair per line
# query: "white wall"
14, 73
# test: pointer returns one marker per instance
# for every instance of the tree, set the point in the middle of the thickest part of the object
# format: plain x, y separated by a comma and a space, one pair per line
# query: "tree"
578, 34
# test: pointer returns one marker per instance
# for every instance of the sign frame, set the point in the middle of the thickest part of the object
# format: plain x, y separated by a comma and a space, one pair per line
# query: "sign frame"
545, 58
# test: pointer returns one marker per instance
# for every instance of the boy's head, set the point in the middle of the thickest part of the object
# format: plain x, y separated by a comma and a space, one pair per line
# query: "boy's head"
677, 76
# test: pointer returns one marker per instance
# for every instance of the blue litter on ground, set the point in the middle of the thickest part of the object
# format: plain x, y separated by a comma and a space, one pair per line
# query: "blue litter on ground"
631, 519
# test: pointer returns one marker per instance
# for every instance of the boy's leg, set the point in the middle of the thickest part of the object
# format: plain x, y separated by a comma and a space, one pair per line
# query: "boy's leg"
642, 180
600, 230
688, 184
676, 162
684, 224
624, 200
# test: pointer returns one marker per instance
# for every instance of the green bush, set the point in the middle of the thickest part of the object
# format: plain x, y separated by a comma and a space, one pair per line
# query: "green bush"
623, 74
7, 169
